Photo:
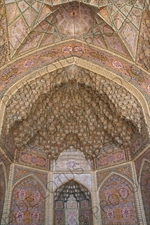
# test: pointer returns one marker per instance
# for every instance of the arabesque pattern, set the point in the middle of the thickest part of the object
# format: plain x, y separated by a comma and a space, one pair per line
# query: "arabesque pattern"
117, 202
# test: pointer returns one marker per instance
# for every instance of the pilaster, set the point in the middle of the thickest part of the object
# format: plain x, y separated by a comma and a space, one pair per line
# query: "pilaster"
138, 197
8, 194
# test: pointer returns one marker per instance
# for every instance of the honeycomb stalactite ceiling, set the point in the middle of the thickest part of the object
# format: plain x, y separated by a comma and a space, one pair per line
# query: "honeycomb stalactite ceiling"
72, 107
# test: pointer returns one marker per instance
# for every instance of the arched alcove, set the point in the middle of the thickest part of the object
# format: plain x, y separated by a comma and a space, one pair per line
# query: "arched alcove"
72, 204
117, 201
27, 203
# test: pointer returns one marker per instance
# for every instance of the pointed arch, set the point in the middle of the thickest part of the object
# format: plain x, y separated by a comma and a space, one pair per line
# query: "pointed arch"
72, 181
30, 176
144, 160
59, 64
98, 74
117, 200
111, 174
66, 181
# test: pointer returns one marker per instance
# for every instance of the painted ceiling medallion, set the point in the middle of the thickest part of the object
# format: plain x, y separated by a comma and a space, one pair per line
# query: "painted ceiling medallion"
74, 19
